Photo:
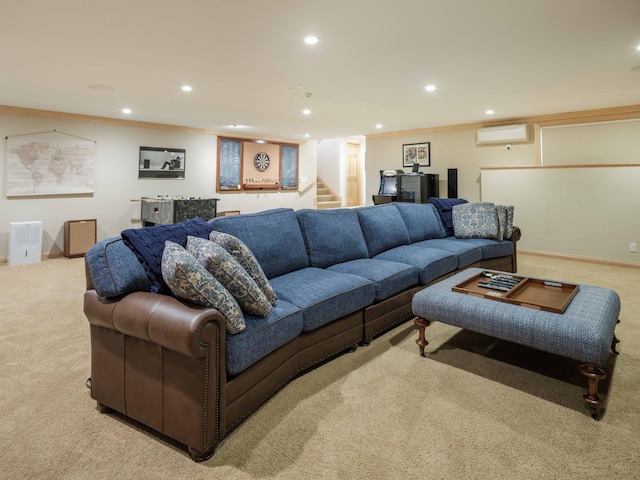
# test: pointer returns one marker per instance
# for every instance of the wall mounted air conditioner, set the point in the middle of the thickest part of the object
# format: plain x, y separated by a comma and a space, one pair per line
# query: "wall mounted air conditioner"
25, 243
503, 134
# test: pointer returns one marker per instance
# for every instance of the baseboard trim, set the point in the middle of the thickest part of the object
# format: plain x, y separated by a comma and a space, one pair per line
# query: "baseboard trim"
578, 258
45, 256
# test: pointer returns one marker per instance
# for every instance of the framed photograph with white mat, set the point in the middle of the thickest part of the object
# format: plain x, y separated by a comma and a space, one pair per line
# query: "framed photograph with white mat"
419, 153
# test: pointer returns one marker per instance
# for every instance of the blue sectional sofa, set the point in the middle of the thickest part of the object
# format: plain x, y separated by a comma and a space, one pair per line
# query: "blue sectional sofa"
342, 277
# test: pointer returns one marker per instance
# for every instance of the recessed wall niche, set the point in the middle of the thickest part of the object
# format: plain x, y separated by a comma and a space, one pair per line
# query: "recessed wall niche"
245, 165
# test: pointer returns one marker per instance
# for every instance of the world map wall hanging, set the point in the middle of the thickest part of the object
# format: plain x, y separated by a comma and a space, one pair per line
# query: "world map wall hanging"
50, 163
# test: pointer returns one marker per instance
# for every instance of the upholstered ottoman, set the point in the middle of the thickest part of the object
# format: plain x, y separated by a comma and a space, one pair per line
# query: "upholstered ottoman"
584, 332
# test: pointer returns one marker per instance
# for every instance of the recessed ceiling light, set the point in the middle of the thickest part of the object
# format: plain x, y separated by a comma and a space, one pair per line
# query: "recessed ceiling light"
430, 88
378, 126
126, 111
261, 141
311, 40
186, 88
489, 112
307, 135
306, 111
638, 48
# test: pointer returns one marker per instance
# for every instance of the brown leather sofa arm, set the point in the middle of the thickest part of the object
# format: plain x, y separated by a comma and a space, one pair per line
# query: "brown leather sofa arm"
517, 233
159, 319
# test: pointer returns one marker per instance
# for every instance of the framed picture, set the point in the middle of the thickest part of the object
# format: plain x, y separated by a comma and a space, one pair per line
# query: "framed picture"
419, 153
158, 162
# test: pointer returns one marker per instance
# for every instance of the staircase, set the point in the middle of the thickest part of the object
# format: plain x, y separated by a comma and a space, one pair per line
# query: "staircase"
325, 198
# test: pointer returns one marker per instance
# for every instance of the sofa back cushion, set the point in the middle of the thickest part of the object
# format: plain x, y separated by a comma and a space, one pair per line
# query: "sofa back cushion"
114, 269
422, 221
148, 245
273, 236
332, 236
383, 228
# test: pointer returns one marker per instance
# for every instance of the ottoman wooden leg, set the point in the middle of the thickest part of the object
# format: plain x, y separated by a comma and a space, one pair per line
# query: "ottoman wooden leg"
422, 323
594, 374
613, 345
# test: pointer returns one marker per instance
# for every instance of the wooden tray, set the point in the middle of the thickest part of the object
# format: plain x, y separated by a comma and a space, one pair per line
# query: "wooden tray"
547, 295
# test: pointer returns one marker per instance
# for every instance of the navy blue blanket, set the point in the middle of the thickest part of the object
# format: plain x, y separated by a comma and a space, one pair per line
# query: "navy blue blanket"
444, 207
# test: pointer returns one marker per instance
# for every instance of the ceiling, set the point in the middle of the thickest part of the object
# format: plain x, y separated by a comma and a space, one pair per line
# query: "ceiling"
249, 66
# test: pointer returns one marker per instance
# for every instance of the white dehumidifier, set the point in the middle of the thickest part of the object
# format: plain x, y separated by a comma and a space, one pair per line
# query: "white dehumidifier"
25, 243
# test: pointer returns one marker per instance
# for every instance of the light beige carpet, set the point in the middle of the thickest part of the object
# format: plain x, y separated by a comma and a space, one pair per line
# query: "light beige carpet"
475, 408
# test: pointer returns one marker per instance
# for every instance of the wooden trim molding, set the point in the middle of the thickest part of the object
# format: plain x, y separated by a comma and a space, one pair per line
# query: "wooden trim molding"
549, 167
567, 118
577, 258
133, 123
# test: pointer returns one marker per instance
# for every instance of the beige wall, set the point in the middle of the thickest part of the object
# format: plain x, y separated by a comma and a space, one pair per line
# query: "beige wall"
598, 143
450, 149
116, 179
589, 212
331, 155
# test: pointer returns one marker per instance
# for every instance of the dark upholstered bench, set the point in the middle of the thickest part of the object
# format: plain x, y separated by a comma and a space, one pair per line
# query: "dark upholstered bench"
584, 332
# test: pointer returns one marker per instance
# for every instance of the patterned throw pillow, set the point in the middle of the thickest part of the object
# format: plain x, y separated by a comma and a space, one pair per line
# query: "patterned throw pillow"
502, 220
476, 220
190, 281
244, 257
508, 229
231, 274
505, 220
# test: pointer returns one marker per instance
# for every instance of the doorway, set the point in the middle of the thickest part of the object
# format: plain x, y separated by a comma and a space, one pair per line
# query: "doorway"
353, 187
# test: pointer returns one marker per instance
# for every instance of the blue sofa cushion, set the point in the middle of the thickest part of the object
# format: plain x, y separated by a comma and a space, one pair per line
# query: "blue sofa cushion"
422, 221
467, 253
262, 336
231, 274
430, 262
383, 228
323, 295
332, 236
190, 281
148, 245
388, 278
115, 270
492, 248
274, 237
444, 206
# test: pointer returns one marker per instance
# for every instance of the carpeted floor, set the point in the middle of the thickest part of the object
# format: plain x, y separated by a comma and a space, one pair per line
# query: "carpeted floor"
475, 408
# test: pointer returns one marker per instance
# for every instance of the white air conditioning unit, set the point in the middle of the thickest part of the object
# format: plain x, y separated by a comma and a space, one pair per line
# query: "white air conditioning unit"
25, 243
503, 134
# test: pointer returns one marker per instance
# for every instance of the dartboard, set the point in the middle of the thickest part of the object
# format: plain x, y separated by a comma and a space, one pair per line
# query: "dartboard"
261, 161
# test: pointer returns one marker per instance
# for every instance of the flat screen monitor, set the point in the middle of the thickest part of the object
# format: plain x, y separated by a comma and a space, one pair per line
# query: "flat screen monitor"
388, 186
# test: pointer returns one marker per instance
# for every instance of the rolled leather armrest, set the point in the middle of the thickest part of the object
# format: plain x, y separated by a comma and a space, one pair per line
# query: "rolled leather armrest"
515, 236
157, 318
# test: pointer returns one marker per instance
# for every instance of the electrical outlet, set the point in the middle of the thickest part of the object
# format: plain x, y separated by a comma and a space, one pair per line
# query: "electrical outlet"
633, 247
